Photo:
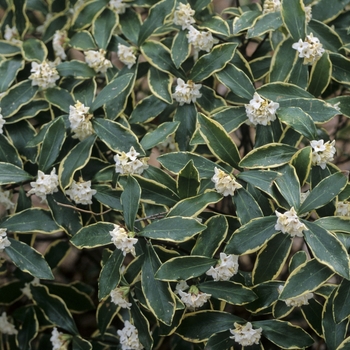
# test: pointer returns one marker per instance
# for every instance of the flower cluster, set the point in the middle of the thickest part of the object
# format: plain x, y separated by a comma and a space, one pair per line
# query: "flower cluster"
271, 6
59, 340
225, 269
201, 40
224, 183
129, 337
322, 152
44, 184
118, 297
6, 327
311, 49
289, 223
2, 122
4, 241
81, 192
194, 298
126, 55
343, 208
186, 92
5, 200
298, 301
97, 60
79, 119
44, 74
246, 335
128, 163
122, 240
118, 6
308, 13
261, 111
183, 16
11, 34
58, 41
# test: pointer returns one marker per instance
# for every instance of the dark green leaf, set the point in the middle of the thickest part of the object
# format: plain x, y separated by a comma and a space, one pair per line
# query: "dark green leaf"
293, 16
77, 69
34, 50
172, 229
28, 259
180, 48
54, 308
130, 200
212, 62
94, 235
60, 98
103, 27
8, 71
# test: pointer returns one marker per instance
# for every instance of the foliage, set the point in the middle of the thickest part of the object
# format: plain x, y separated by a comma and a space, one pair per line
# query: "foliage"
152, 174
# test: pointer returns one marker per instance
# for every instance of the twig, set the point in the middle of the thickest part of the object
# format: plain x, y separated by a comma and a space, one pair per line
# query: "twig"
82, 210
153, 216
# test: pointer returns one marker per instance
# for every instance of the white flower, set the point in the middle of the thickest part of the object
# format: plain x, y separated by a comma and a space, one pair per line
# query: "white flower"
224, 183
58, 41
183, 16
5, 326
201, 40
122, 241
81, 192
311, 49
118, 296
59, 340
129, 337
5, 200
11, 34
182, 285
2, 122
44, 184
128, 163
245, 335
271, 6
186, 92
194, 298
80, 123
4, 241
225, 269
322, 152
26, 289
298, 301
97, 60
289, 223
343, 208
126, 55
260, 111
44, 74
118, 6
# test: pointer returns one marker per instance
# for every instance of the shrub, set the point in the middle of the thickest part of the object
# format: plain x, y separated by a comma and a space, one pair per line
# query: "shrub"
168, 181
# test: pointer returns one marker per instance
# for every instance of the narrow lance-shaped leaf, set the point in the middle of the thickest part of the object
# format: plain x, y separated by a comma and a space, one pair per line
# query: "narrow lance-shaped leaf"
172, 229
130, 200
52, 143
212, 62
184, 267
111, 90
31, 220
284, 334
75, 160
28, 259
210, 239
250, 237
116, 136
10, 173
158, 295
110, 274
237, 81
188, 181
94, 235
323, 192
54, 308
293, 16
327, 249
219, 142
306, 278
